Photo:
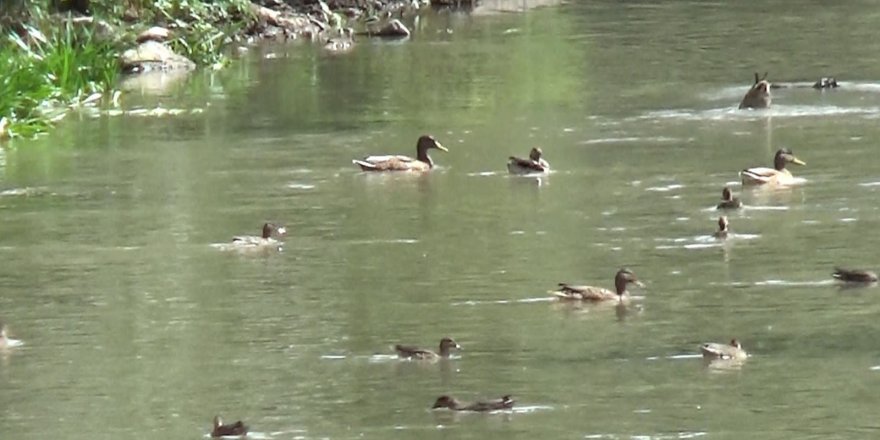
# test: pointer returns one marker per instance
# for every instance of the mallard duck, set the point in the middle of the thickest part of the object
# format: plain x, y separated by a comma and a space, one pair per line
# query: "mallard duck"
220, 430
505, 402
758, 95
422, 162
5, 340
534, 164
728, 201
343, 43
777, 175
623, 277
410, 352
854, 275
723, 228
712, 350
248, 241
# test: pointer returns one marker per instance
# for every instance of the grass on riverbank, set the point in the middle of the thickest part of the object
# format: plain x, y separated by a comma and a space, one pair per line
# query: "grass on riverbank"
47, 62
42, 73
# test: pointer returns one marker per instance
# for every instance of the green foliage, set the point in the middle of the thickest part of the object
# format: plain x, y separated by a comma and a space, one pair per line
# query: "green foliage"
40, 73
45, 71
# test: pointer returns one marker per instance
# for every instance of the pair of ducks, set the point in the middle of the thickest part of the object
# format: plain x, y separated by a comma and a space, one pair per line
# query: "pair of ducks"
423, 162
758, 95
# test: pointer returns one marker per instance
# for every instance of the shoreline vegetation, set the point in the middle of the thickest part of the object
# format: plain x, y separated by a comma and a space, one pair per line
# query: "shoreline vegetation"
61, 54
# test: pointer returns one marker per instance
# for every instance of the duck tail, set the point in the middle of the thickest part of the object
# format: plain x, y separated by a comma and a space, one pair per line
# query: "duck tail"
366, 166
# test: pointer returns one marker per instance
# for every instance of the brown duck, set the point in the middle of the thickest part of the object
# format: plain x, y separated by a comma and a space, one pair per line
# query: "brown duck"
734, 350
777, 175
422, 162
723, 228
534, 164
410, 352
758, 95
622, 279
235, 429
505, 402
854, 275
263, 240
728, 201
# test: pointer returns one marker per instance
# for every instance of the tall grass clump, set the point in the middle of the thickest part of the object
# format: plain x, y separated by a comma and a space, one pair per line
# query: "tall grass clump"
42, 73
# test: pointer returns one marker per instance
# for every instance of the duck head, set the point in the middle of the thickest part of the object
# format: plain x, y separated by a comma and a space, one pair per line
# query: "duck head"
726, 195
735, 343
536, 154
269, 228
425, 143
446, 402
623, 278
783, 157
723, 224
449, 343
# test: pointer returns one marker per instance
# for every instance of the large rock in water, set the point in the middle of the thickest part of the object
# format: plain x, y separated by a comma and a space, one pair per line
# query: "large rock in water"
153, 56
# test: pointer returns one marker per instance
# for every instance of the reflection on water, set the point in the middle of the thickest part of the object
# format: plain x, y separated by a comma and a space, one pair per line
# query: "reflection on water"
134, 325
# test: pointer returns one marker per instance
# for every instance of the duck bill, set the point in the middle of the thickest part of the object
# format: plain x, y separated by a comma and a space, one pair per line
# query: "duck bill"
639, 283
440, 147
797, 161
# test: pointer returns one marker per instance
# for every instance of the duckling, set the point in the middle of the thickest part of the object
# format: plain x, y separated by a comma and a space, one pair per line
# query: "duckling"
343, 43
854, 275
728, 201
777, 175
250, 241
220, 430
623, 277
758, 95
5, 340
734, 350
534, 164
505, 402
422, 162
723, 228
410, 352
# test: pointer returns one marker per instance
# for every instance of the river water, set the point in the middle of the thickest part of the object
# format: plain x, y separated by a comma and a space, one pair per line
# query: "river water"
134, 326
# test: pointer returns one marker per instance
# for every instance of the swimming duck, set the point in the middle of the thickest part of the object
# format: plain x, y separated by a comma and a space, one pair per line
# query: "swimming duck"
505, 402
5, 340
343, 43
422, 162
410, 352
728, 201
712, 350
723, 228
220, 430
758, 95
534, 164
623, 277
854, 275
250, 241
777, 175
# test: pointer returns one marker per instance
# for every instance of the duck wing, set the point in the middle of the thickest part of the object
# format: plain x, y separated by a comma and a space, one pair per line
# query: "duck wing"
518, 165
585, 293
758, 175
387, 163
411, 352
490, 405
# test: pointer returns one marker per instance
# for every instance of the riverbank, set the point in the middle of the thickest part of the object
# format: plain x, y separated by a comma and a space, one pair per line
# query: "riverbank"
73, 52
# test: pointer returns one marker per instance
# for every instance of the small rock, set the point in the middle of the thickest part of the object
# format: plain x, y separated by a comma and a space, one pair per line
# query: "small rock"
155, 33
153, 55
